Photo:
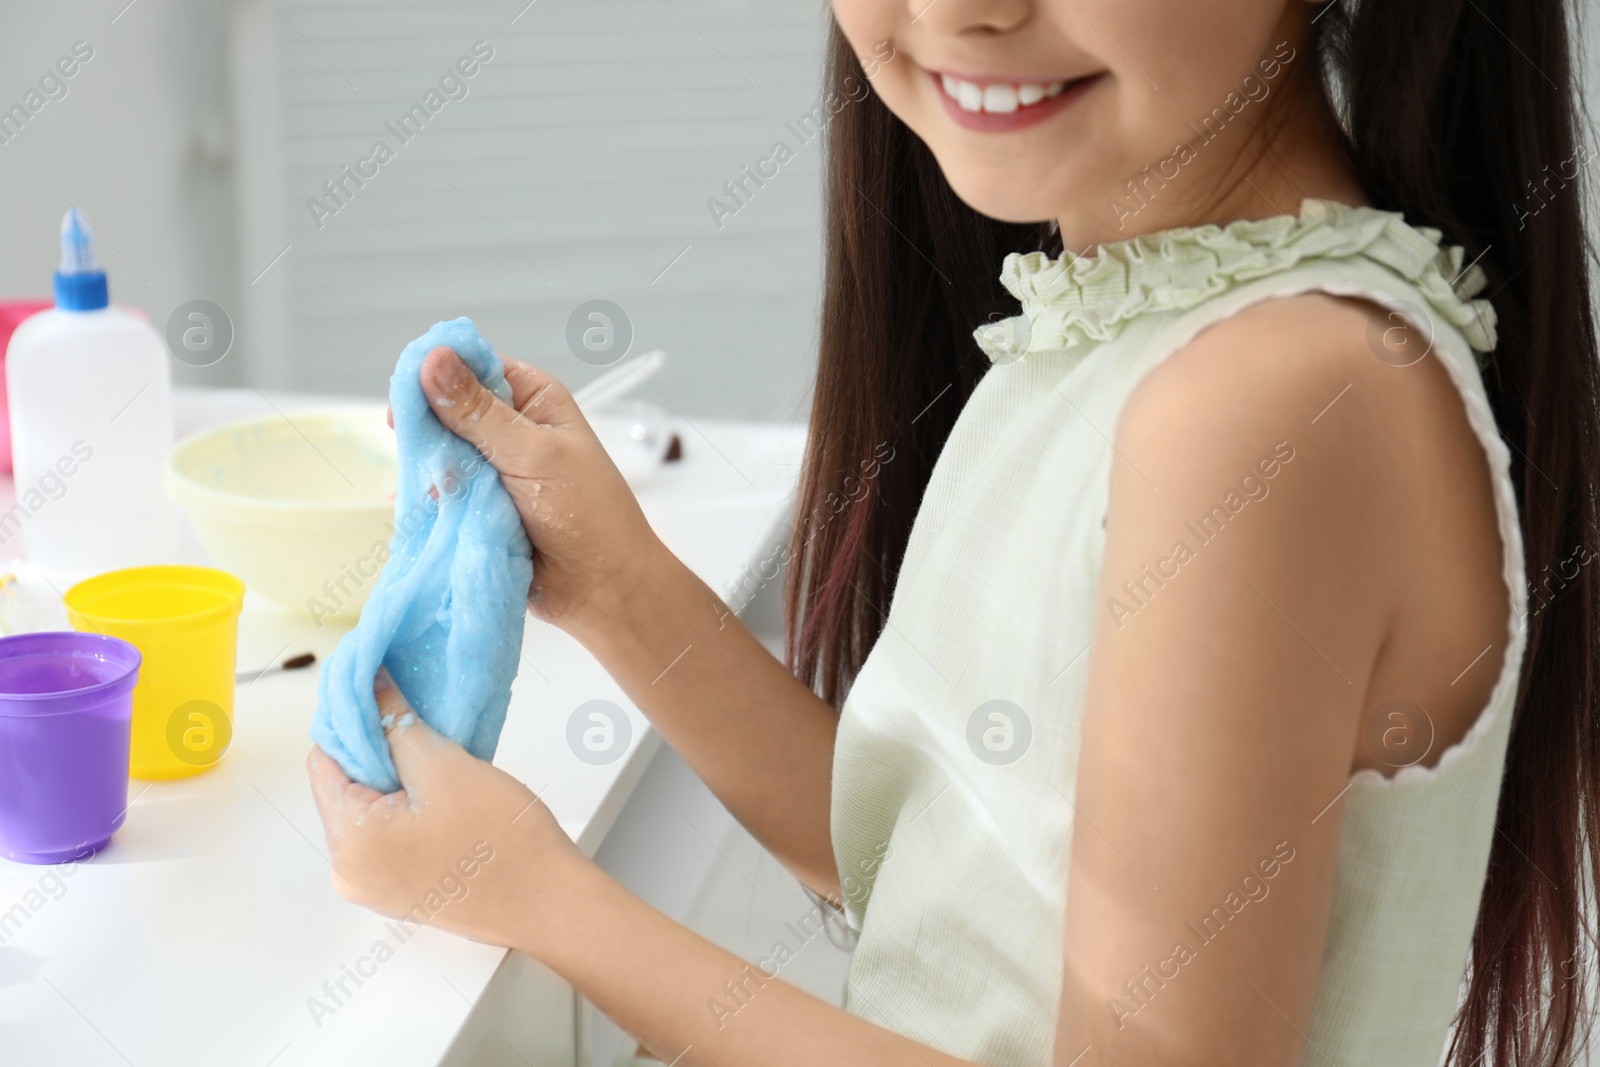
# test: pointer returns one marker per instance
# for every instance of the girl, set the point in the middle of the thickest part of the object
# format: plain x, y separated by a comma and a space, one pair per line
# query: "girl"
1196, 667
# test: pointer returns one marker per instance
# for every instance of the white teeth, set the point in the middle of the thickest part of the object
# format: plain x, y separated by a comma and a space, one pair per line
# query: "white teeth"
997, 98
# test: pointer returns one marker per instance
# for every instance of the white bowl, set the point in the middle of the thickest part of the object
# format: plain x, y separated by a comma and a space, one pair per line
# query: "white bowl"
299, 506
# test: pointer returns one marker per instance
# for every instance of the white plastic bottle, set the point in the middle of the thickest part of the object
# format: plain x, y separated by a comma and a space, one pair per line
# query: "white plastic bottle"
90, 399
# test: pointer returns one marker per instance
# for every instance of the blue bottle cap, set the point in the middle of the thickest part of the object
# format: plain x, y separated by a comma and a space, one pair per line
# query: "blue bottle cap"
80, 283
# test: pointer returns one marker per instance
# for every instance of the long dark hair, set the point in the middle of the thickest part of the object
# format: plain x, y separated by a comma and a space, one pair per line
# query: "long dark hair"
1461, 114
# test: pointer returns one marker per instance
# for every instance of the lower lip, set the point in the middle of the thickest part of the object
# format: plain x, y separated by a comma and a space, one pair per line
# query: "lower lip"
1002, 122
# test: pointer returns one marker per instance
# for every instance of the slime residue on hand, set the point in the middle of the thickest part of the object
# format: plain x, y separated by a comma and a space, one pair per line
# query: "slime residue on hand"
446, 614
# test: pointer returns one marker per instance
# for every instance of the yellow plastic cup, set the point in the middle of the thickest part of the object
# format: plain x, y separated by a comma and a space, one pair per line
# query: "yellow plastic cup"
185, 623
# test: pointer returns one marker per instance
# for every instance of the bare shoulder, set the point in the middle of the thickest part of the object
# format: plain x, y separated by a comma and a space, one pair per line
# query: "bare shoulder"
1292, 365
1380, 529
1311, 370
1293, 379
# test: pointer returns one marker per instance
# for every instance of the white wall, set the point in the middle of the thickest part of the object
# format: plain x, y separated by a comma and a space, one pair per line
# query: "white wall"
573, 162
147, 143
138, 144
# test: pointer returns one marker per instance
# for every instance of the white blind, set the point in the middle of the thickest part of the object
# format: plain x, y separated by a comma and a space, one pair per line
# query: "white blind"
577, 166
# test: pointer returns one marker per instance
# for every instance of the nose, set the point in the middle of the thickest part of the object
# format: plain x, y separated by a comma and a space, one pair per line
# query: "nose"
977, 17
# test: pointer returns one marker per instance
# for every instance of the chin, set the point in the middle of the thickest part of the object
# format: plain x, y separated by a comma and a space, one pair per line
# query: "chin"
1000, 194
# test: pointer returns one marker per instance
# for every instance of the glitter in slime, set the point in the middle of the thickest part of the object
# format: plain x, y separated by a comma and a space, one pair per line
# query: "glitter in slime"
446, 613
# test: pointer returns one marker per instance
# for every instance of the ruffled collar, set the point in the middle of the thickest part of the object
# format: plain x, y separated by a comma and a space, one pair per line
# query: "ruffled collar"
1073, 300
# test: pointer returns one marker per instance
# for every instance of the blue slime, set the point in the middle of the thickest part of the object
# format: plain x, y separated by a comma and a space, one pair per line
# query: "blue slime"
446, 613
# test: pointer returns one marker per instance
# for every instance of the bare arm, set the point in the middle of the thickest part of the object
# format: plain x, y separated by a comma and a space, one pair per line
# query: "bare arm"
759, 739
762, 742
1227, 705
680, 995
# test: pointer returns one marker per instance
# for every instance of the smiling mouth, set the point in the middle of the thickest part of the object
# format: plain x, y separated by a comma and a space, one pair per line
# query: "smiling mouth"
999, 98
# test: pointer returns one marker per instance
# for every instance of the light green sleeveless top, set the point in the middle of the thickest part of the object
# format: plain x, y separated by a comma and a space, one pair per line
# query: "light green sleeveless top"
952, 815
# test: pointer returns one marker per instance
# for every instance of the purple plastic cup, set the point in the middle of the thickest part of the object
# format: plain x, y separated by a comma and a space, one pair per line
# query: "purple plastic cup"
66, 709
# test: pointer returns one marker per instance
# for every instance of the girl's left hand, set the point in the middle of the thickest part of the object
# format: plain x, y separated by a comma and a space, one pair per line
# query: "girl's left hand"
463, 846
469, 848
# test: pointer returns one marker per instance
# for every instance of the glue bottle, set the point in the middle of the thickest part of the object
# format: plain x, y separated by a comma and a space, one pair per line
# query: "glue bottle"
90, 399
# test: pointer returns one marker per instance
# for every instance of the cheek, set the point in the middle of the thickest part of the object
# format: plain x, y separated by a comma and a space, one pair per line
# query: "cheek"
1182, 59
866, 21
1175, 59
872, 27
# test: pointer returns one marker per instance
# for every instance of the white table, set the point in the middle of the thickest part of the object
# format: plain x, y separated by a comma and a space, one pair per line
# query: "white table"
202, 933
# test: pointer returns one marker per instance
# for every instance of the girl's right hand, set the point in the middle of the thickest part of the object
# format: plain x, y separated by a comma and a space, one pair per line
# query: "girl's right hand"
591, 541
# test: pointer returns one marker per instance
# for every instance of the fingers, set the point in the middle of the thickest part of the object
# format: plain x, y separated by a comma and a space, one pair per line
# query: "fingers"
414, 746
340, 803
476, 415
538, 396
326, 780
466, 408
331, 787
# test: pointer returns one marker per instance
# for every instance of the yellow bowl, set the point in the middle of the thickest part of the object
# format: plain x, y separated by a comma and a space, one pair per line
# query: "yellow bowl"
185, 623
299, 505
